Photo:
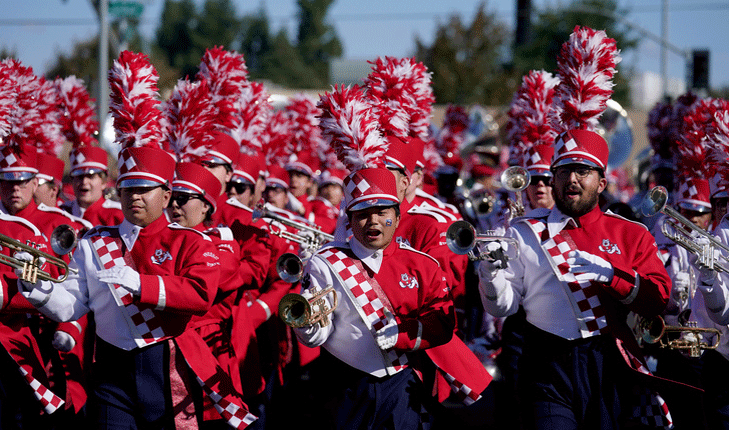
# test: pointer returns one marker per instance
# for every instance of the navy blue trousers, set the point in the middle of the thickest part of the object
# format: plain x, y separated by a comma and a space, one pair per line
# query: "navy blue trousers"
571, 384
130, 388
361, 401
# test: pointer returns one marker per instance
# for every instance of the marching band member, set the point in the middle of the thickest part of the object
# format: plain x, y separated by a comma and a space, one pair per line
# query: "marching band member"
576, 257
143, 280
326, 205
50, 180
373, 344
709, 307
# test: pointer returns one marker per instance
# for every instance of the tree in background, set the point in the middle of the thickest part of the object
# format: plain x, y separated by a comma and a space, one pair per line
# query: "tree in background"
552, 27
255, 42
467, 61
317, 41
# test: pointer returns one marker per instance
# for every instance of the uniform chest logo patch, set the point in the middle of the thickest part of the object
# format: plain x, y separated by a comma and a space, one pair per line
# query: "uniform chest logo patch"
401, 239
407, 281
160, 256
610, 248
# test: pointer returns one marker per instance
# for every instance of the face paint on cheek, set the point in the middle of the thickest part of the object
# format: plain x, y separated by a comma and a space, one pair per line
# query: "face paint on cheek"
388, 222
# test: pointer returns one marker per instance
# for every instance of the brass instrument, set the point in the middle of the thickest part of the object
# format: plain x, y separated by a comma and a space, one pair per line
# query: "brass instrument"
461, 238
654, 330
31, 269
516, 179
289, 267
319, 237
685, 233
63, 239
297, 311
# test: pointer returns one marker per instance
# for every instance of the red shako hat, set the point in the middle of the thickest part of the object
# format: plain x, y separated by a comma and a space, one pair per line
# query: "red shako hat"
193, 178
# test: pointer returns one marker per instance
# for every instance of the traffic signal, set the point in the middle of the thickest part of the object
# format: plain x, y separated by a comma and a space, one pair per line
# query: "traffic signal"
700, 69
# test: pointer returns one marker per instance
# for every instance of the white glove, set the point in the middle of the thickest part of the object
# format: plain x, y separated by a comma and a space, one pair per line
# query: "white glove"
386, 337
495, 253
63, 341
122, 275
26, 257
705, 277
590, 267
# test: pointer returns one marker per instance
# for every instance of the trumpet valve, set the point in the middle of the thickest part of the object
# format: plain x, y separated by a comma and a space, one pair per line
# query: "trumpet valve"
30, 273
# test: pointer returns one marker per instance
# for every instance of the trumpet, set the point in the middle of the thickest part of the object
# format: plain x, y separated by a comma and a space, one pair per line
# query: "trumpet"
685, 233
461, 239
319, 237
297, 311
31, 271
474, 204
289, 267
654, 330
516, 179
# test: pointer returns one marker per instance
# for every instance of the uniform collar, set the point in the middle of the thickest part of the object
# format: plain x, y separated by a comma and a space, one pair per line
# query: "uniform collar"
23, 213
558, 221
130, 232
372, 258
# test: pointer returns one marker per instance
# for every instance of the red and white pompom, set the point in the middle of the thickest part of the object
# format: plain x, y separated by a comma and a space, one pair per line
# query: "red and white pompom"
8, 96
78, 121
659, 130
188, 117
49, 138
693, 146
349, 125
277, 145
134, 101
21, 119
453, 133
586, 67
304, 116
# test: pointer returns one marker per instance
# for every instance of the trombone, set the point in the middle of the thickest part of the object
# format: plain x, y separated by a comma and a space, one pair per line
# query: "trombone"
461, 238
31, 271
685, 233
319, 237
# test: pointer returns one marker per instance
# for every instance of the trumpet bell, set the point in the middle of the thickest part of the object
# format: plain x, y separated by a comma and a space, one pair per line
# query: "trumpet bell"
461, 237
297, 311
515, 179
289, 267
654, 201
63, 239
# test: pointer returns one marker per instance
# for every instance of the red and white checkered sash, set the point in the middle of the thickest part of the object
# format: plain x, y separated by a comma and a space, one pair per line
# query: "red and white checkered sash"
371, 307
235, 415
586, 304
650, 408
144, 322
461, 391
48, 399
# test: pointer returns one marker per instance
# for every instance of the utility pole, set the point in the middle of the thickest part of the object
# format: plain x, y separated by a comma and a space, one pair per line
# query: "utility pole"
664, 36
103, 102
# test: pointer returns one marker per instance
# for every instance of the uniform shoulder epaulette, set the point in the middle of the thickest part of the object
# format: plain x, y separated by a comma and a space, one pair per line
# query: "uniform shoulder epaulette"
19, 220
111, 204
236, 204
417, 210
614, 215
175, 226
441, 211
537, 213
407, 247
100, 229
334, 244
60, 211
224, 233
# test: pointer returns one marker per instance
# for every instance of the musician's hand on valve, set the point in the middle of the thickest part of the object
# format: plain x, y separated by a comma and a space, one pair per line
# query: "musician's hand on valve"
386, 337
705, 277
63, 341
590, 267
26, 257
495, 253
122, 275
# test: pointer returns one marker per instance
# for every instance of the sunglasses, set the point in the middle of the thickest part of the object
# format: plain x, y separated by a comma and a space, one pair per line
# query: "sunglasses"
182, 198
535, 180
239, 187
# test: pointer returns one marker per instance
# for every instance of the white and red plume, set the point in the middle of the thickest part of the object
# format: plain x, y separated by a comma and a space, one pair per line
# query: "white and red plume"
586, 67
78, 122
134, 101
349, 125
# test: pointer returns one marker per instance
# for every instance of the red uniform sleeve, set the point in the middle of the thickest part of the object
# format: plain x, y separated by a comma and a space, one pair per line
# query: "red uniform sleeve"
193, 287
653, 282
255, 254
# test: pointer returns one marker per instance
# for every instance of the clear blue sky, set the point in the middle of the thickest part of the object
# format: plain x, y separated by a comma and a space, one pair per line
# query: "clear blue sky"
37, 29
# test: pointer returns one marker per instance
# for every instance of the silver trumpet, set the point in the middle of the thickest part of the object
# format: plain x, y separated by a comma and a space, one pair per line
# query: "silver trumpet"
63, 239
316, 241
685, 233
516, 179
461, 238
289, 267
